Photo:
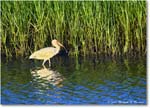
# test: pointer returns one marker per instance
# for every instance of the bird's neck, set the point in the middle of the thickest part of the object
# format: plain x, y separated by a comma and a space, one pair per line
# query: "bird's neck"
57, 48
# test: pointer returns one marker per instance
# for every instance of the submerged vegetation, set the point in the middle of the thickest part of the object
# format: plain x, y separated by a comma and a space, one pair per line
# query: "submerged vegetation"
85, 28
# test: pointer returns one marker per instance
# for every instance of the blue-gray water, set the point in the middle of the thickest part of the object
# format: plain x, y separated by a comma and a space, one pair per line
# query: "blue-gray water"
73, 81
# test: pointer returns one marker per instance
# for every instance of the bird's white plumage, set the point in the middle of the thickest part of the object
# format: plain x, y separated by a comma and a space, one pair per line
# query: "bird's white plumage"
44, 53
47, 53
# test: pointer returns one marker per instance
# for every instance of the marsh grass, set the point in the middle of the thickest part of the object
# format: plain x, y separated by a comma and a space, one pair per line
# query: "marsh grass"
85, 28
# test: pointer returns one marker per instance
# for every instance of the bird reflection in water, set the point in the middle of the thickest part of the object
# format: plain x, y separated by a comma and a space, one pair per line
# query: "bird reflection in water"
48, 75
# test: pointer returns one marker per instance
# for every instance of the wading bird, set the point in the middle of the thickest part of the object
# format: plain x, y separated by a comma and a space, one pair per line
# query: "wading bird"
47, 53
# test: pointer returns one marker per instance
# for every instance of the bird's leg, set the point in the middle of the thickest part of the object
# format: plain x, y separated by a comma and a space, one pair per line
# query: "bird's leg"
49, 62
44, 63
44, 66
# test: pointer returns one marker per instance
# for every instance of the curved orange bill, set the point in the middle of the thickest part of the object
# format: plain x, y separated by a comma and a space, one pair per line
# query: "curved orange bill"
62, 46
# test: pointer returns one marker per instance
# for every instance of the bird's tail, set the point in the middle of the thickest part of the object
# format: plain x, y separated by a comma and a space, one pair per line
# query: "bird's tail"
31, 56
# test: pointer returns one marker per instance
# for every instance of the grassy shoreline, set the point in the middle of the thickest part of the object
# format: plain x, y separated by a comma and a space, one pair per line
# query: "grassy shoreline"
85, 28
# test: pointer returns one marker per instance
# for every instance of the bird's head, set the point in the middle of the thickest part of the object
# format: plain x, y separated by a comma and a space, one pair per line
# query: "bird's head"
57, 43
54, 42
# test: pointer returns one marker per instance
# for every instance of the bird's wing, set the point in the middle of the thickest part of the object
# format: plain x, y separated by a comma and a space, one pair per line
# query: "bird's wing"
48, 49
44, 53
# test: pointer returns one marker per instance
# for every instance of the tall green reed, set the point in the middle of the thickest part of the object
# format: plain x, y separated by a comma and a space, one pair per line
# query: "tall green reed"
85, 28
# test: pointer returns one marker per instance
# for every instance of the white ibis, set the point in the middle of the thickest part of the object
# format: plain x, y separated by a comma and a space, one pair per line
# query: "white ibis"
47, 53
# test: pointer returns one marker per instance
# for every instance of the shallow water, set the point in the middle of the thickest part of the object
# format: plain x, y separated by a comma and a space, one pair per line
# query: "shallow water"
74, 81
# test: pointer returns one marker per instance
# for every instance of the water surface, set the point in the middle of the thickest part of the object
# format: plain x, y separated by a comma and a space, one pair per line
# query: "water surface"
73, 81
